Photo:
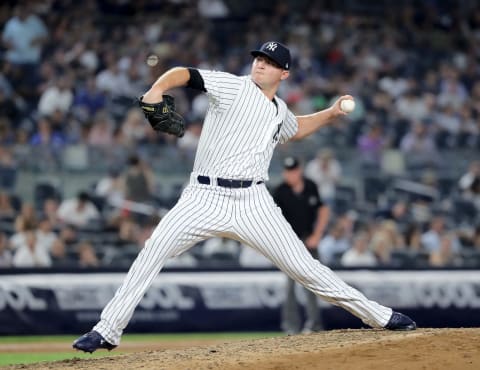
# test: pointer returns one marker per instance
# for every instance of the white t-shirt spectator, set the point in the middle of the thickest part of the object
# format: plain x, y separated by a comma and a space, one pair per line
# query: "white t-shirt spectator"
353, 257
31, 253
46, 239
54, 99
326, 178
70, 213
16, 240
114, 82
24, 257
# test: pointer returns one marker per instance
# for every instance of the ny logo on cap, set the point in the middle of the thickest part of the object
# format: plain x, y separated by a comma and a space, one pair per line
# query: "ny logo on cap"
271, 46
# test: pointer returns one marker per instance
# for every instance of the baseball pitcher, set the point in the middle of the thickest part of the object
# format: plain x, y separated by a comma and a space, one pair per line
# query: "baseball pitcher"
227, 196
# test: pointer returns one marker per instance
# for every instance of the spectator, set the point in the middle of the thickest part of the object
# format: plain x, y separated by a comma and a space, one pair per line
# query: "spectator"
442, 93
359, 255
146, 229
385, 240
8, 170
31, 253
45, 234
21, 149
431, 239
46, 138
413, 237
23, 36
476, 238
28, 216
419, 147
57, 97
89, 99
334, 244
444, 255
348, 221
68, 235
58, 254
50, 212
5, 253
101, 133
139, 182
128, 231
468, 179
200, 106
452, 90
7, 212
9, 109
6, 134
113, 81
86, 255
370, 146
212, 9
189, 142
18, 237
397, 212
78, 211
110, 187
134, 128
412, 106
448, 125
469, 128
474, 195
325, 171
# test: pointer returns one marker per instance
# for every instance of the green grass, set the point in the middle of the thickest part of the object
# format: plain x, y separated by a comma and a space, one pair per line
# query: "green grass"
141, 337
35, 357
12, 358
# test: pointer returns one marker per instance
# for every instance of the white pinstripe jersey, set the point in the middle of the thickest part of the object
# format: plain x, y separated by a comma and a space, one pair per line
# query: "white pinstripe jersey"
241, 128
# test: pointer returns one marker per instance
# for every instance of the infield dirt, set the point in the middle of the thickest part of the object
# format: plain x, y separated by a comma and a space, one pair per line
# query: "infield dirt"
436, 349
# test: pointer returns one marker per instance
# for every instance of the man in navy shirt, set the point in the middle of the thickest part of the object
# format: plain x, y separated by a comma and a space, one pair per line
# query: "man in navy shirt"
301, 205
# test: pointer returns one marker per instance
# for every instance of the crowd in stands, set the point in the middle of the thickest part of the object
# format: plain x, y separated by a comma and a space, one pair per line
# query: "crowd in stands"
70, 74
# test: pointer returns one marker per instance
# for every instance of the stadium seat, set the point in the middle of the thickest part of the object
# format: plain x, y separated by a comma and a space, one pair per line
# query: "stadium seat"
470, 258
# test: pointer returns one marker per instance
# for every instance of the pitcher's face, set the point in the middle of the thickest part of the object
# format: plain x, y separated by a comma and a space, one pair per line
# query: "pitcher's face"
265, 72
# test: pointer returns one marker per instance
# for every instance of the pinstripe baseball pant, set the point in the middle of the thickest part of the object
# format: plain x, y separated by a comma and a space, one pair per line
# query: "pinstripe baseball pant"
248, 215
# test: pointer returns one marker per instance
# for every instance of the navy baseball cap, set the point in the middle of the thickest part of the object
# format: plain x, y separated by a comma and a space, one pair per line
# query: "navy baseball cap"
290, 163
277, 52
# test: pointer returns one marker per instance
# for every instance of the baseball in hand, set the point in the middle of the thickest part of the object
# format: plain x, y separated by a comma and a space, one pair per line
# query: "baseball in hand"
347, 105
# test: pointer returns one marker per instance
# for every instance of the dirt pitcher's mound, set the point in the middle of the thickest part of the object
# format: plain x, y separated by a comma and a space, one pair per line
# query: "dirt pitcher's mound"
340, 349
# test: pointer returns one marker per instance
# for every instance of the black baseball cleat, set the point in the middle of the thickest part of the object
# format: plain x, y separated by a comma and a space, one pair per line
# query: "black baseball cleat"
399, 321
92, 341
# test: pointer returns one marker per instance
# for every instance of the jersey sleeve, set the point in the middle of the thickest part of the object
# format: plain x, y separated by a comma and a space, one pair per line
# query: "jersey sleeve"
221, 87
289, 127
